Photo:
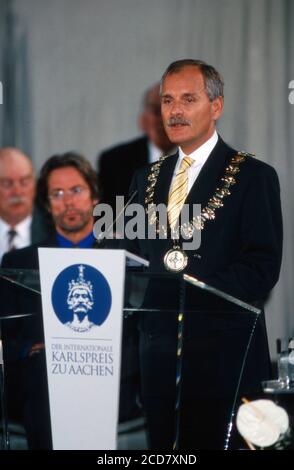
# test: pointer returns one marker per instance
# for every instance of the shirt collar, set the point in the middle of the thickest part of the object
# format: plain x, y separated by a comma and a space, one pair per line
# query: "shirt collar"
22, 228
86, 242
201, 154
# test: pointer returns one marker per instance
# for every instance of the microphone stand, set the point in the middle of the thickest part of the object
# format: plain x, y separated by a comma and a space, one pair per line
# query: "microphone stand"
103, 235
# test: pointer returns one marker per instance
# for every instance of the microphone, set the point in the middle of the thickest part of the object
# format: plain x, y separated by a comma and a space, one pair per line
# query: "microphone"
103, 235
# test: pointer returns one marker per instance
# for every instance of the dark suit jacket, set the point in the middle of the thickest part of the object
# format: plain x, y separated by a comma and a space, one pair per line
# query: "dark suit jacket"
42, 227
117, 166
240, 253
18, 300
241, 249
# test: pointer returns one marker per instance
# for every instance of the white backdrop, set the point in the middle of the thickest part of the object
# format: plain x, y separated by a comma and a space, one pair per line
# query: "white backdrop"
78, 70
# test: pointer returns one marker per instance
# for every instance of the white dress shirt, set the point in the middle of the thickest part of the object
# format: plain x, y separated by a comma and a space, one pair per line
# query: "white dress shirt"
22, 237
200, 156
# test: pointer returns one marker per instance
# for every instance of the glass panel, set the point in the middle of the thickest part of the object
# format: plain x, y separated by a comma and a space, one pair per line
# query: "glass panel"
193, 345
186, 357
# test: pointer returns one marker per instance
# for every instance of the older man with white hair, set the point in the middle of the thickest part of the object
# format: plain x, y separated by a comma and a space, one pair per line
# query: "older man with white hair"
20, 224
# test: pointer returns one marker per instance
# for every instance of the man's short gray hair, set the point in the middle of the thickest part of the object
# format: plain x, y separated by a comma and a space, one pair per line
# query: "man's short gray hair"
214, 84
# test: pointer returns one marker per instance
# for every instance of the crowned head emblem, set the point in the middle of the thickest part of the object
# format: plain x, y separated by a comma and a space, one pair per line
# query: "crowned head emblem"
80, 294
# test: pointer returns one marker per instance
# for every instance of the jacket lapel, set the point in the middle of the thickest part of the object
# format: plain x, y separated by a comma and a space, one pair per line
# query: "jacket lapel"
164, 179
141, 157
208, 179
210, 174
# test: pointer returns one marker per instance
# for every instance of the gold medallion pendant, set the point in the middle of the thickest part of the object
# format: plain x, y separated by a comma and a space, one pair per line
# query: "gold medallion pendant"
175, 260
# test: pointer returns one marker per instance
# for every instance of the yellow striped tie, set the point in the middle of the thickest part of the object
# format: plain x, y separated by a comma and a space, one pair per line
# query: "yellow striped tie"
178, 192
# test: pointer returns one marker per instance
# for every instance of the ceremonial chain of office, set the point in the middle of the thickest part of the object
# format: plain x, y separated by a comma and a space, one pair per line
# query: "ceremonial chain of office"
176, 259
208, 212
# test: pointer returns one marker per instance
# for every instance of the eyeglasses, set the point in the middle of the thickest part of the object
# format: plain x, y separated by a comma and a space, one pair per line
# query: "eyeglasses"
75, 193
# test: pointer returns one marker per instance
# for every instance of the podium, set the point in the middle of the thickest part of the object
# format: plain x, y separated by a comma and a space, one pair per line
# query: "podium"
193, 352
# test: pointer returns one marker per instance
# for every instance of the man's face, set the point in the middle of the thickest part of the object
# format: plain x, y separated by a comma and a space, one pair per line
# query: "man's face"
188, 115
80, 301
17, 187
70, 202
151, 120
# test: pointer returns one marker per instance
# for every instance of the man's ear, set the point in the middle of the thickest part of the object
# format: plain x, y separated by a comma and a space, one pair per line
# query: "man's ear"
217, 107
